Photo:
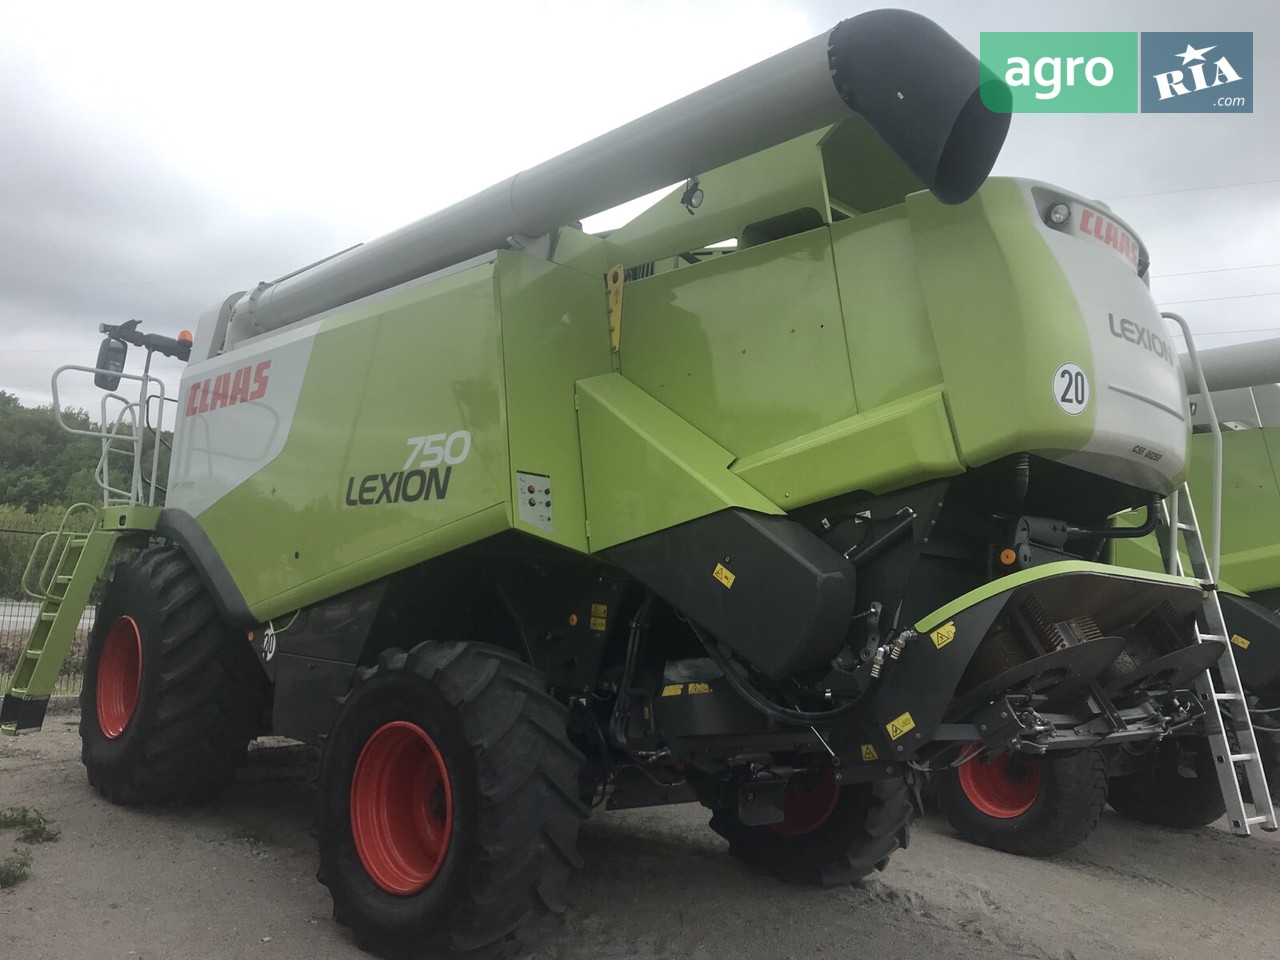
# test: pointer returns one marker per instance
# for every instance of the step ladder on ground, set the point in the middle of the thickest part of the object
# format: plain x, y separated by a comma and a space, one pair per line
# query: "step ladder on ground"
1228, 725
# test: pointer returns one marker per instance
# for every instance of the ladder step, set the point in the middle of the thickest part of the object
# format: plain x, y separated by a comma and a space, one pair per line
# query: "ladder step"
1257, 819
49, 617
63, 578
1209, 636
1243, 757
33, 654
1229, 696
1182, 525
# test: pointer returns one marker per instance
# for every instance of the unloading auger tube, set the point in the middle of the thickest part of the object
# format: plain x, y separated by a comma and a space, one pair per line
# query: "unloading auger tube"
1237, 365
915, 84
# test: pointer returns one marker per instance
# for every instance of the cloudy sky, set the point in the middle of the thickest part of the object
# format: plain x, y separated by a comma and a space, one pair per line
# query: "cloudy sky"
156, 156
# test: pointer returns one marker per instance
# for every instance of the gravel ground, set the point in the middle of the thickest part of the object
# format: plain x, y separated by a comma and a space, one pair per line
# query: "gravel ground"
236, 880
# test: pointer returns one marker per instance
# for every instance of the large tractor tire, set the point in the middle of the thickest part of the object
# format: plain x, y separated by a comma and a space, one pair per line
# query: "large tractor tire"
449, 805
830, 835
1177, 786
1030, 807
171, 695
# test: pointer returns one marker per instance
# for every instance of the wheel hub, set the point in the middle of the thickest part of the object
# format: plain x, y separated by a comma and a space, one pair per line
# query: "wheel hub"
804, 811
401, 808
119, 677
999, 787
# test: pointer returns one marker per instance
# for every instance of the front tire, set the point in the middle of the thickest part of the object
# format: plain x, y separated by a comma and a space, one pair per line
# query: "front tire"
171, 695
830, 835
1176, 787
449, 805
1029, 807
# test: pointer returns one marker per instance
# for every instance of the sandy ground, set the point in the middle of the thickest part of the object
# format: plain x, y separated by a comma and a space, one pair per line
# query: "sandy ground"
236, 880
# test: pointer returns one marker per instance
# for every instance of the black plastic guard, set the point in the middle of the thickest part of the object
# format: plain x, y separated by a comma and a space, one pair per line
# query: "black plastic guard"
764, 585
1255, 641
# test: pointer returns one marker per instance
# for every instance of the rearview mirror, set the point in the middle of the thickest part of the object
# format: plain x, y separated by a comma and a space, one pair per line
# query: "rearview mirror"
110, 358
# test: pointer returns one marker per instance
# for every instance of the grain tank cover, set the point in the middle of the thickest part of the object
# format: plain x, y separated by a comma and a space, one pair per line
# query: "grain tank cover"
917, 87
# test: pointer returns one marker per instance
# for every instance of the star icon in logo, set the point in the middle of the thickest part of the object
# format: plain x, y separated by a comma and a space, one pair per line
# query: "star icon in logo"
1191, 53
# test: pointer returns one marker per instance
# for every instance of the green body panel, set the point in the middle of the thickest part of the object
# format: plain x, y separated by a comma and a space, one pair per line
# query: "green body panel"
889, 339
578, 251
1003, 318
1250, 509
891, 446
552, 335
1044, 572
646, 469
748, 348
379, 374
1250, 503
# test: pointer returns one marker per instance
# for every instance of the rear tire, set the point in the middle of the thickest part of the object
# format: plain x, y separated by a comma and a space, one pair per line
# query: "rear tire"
1029, 807
171, 695
831, 835
467, 734
1162, 793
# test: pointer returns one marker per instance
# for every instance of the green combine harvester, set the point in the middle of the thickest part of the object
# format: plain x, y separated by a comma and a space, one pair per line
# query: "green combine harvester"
513, 521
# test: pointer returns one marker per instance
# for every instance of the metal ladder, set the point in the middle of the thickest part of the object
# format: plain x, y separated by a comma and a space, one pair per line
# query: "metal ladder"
67, 562
73, 561
1232, 699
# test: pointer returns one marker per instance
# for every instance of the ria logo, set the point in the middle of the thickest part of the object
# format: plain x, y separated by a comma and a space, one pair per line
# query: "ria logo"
1197, 72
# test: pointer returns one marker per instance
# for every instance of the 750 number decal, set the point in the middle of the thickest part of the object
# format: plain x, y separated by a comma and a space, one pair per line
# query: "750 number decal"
437, 448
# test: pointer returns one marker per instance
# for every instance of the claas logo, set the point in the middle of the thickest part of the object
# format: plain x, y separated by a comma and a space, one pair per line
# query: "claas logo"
228, 389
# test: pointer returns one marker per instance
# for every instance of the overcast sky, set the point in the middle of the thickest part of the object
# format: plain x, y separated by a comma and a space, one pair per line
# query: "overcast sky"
155, 157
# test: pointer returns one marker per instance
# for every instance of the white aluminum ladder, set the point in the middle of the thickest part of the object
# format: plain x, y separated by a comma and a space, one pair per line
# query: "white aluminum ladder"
1232, 699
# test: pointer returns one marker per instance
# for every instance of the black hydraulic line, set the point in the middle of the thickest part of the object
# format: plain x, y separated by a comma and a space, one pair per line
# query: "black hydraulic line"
1119, 533
800, 718
886, 540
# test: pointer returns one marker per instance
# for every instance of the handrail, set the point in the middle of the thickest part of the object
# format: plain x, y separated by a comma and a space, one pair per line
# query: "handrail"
114, 440
49, 569
1215, 522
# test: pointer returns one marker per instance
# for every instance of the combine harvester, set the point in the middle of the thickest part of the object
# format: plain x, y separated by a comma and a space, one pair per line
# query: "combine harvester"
513, 521
1235, 473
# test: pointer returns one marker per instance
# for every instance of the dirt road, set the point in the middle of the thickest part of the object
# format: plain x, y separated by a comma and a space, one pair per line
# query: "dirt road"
236, 880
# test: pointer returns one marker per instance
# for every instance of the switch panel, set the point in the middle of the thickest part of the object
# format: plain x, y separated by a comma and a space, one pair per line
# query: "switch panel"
533, 496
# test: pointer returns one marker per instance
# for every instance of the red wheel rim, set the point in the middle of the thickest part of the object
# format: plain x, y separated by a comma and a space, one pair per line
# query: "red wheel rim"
401, 808
119, 677
804, 811
1000, 788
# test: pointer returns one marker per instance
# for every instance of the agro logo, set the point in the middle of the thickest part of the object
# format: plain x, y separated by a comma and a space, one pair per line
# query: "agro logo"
1197, 72
1125, 329
421, 477
228, 389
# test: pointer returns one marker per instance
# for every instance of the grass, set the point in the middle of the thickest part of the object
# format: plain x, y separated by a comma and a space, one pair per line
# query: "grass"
32, 825
14, 868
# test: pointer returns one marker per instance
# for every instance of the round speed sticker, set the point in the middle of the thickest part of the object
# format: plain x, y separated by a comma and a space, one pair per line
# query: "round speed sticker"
1071, 389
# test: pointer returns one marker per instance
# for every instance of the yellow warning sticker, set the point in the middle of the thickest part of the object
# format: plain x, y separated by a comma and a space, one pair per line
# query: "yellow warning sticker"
599, 610
944, 634
869, 752
598, 624
699, 688
724, 575
900, 726
1240, 641
673, 689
